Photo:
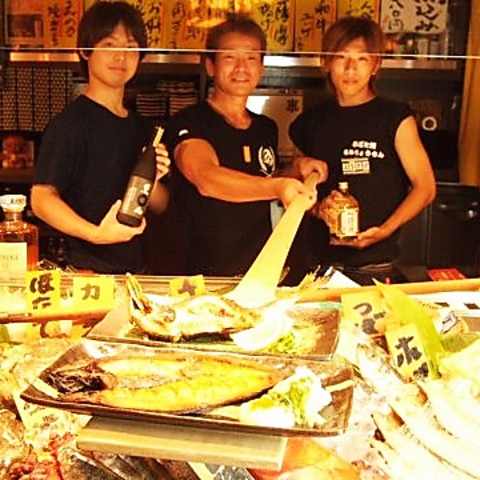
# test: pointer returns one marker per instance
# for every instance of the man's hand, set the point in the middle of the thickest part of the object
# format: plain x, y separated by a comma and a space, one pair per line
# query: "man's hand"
163, 161
111, 230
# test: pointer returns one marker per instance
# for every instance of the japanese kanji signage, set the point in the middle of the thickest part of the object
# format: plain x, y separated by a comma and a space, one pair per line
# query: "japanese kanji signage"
187, 286
364, 309
312, 18
153, 14
93, 291
276, 19
60, 22
189, 21
415, 16
359, 8
43, 289
406, 350
88, 292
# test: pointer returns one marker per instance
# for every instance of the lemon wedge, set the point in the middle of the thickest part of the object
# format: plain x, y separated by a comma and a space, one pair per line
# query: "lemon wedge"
275, 324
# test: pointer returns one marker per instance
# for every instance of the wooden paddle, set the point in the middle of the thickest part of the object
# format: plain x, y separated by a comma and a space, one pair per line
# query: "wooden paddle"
259, 284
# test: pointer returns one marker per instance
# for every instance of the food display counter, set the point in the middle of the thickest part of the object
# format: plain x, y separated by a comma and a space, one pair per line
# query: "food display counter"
383, 422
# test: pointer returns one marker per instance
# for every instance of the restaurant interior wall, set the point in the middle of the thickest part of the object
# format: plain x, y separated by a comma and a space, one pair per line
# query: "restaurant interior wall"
432, 86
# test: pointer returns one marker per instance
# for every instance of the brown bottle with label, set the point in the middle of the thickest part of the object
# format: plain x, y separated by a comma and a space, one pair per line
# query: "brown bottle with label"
346, 215
18, 239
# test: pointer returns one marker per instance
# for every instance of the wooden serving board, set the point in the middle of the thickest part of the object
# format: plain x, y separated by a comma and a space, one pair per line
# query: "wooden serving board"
173, 442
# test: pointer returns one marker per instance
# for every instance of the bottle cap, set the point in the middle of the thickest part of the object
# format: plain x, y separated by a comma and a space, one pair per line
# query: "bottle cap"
13, 203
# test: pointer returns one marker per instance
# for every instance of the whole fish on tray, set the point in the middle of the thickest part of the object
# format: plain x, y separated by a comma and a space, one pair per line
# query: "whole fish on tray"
167, 383
188, 318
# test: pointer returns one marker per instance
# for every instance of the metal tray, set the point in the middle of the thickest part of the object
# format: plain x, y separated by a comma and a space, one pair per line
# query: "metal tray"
337, 377
317, 325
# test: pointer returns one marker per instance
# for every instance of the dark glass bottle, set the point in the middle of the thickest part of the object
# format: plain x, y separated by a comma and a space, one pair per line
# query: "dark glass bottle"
140, 185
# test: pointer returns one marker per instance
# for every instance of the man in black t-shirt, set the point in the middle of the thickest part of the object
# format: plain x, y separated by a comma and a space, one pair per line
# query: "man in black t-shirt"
226, 160
89, 149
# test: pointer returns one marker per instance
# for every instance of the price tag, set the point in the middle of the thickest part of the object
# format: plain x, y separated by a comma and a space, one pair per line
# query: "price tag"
187, 286
93, 291
406, 350
43, 289
364, 309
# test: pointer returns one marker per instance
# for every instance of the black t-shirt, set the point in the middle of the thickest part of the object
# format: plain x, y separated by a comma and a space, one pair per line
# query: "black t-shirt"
358, 144
223, 238
87, 154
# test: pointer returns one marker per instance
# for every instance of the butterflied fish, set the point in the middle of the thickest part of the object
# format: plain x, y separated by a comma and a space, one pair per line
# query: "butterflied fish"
171, 382
189, 318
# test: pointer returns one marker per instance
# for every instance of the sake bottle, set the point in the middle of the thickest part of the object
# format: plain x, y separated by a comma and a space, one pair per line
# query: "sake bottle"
18, 239
140, 185
346, 220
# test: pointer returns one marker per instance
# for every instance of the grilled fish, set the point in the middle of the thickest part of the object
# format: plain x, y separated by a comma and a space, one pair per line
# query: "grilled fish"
189, 318
169, 382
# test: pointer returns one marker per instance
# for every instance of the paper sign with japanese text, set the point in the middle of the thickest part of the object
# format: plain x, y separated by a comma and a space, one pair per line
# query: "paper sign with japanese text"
93, 292
312, 18
187, 286
60, 22
154, 16
364, 309
276, 17
358, 8
43, 289
425, 17
406, 350
189, 20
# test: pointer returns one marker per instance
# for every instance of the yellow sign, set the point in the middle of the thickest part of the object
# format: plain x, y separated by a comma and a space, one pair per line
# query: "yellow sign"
359, 8
406, 350
43, 289
276, 19
60, 22
312, 18
187, 286
153, 14
364, 309
93, 291
189, 21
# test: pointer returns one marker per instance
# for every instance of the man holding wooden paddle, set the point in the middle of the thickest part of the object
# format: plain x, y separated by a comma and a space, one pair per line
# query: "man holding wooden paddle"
226, 170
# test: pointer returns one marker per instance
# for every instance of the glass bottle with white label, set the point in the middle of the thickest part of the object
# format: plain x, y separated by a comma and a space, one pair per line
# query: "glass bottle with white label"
18, 239
346, 218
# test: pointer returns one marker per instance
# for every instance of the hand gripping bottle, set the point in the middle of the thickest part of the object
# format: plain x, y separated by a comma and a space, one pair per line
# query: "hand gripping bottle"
140, 185
346, 216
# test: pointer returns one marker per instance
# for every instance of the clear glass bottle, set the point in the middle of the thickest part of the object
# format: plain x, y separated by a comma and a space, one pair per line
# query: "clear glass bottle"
18, 239
346, 215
